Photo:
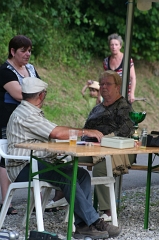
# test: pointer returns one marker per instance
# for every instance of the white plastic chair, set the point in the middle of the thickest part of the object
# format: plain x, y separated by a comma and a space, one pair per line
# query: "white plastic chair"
35, 184
108, 181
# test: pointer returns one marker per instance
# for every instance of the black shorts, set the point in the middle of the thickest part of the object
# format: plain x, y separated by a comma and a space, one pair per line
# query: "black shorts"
2, 163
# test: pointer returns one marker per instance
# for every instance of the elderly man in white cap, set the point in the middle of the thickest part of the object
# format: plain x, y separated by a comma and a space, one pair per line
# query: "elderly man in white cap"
28, 124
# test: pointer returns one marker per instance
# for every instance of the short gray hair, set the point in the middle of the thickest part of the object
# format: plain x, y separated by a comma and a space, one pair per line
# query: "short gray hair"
115, 75
115, 36
29, 95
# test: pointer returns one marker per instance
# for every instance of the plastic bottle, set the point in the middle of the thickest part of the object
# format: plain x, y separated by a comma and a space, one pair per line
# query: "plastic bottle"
143, 138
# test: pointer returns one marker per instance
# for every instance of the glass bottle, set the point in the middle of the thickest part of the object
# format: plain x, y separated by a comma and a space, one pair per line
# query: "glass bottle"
143, 138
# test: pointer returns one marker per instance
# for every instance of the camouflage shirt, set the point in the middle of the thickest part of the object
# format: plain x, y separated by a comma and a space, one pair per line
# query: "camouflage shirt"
111, 119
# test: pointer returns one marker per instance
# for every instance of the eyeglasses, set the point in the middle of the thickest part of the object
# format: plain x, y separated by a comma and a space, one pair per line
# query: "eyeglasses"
44, 91
107, 84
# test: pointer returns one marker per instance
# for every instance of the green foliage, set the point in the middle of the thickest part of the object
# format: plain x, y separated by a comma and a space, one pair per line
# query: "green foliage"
5, 35
146, 34
65, 31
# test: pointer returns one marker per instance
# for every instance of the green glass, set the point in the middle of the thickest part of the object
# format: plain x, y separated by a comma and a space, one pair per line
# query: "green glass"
137, 117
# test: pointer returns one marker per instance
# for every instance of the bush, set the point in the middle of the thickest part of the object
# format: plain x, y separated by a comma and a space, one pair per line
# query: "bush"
6, 33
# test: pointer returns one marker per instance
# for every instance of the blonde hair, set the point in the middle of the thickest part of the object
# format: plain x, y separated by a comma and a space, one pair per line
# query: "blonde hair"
115, 75
115, 36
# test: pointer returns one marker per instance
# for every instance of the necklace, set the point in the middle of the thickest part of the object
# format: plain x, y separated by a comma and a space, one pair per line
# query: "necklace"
20, 69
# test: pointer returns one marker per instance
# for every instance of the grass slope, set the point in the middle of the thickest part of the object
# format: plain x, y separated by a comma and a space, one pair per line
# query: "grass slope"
65, 105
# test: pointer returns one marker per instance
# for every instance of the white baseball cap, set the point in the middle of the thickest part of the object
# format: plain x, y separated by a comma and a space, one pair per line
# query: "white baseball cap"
33, 85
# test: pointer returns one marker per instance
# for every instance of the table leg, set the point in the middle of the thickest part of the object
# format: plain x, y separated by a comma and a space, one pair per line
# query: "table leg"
148, 185
28, 201
72, 197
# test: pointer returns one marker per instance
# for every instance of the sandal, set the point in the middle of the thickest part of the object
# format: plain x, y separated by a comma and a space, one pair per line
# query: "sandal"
11, 210
54, 209
47, 210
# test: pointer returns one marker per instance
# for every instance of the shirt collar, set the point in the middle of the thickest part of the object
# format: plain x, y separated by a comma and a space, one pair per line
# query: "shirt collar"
30, 105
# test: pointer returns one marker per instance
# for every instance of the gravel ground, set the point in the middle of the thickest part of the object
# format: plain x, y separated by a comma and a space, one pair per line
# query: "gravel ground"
130, 217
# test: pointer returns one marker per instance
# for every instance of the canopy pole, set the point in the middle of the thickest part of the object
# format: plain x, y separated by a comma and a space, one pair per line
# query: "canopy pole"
127, 48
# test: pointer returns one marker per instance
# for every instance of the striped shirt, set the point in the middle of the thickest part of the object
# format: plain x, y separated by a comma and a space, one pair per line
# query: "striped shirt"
27, 124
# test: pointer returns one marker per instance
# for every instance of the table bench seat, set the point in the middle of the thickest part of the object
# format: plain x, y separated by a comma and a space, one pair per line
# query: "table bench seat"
142, 168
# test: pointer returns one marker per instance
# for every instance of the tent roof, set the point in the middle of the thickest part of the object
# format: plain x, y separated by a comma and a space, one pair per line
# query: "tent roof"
145, 5
142, 5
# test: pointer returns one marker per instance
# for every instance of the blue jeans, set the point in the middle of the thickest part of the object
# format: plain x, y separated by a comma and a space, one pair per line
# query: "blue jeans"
83, 209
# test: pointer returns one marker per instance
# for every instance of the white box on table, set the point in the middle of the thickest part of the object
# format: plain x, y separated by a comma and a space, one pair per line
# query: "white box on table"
117, 142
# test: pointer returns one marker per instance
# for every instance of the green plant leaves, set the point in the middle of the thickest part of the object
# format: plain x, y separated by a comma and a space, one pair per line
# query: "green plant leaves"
77, 29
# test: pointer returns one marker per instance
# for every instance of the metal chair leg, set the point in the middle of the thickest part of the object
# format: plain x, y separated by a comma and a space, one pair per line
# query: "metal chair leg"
95, 201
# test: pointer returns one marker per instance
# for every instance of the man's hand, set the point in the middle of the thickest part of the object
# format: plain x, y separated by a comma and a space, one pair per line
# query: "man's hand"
62, 133
93, 133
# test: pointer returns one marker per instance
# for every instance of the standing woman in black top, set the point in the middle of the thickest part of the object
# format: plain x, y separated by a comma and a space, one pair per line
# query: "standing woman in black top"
115, 62
12, 71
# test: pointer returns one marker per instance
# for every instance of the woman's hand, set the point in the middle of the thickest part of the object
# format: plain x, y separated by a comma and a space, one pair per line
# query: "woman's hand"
131, 98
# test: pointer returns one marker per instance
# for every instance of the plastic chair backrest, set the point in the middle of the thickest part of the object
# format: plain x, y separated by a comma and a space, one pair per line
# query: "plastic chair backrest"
3, 151
3, 148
